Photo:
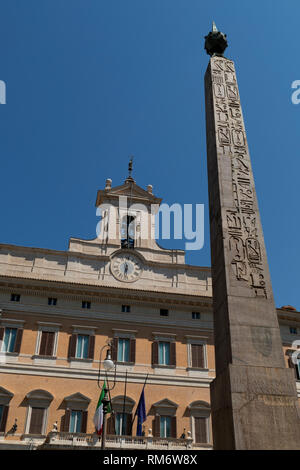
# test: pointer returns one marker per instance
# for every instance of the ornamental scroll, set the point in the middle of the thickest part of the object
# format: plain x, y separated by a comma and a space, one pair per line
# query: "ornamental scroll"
241, 220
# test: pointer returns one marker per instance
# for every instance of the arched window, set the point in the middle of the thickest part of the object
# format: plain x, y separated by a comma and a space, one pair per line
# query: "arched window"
165, 423
37, 412
5, 397
128, 231
120, 421
200, 422
75, 419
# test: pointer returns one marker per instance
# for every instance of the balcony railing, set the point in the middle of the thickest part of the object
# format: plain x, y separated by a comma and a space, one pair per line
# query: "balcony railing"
68, 439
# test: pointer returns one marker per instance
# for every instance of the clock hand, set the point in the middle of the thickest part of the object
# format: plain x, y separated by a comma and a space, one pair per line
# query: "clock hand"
126, 269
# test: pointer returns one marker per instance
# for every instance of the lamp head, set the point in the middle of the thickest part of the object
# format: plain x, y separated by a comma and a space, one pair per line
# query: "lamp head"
108, 363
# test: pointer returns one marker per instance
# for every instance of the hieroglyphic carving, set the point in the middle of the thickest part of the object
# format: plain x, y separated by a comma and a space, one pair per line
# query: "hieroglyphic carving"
243, 231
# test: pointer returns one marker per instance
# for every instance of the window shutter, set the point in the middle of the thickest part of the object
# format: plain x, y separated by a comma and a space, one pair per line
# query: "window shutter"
47, 343
36, 421
72, 346
18, 340
4, 418
66, 423
173, 427
114, 349
43, 344
156, 426
154, 353
200, 430
294, 367
111, 425
84, 421
173, 353
129, 424
197, 355
132, 350
50, 343
91, 347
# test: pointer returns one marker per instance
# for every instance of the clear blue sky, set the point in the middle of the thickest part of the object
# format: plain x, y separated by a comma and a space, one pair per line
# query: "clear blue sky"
90, 82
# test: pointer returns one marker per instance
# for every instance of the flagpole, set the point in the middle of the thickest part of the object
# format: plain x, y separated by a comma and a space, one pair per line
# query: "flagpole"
138, 403
123, 414
112, 410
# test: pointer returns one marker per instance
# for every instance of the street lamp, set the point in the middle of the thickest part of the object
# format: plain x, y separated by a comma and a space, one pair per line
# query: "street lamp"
108, 365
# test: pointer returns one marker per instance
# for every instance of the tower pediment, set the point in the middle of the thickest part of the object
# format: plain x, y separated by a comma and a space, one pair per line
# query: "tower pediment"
128, 189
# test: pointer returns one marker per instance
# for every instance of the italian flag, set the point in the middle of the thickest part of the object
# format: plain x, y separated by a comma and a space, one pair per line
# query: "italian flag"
98, 416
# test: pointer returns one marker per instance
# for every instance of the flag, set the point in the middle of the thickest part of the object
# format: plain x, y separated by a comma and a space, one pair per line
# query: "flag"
141, 414
98, 416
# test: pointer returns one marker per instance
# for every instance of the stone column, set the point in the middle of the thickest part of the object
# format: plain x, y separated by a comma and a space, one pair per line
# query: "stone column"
254, 399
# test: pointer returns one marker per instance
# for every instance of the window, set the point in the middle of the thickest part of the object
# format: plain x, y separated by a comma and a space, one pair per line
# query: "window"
165, 426
47, 343
297, 366
86, 304
293, 330
164, 353
3, 417
128, 231
15, 298
197, 356
164, 423
200, 418
82, 347
121, 424
52, 301
75, 421
164, 312
37, 420
9, 340
196, 315
125, 308
38, 405
76, 414
123, 349
5, 397
200, 425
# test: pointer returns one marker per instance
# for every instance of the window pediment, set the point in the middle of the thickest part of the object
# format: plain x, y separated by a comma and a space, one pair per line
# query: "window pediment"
5, 396
77, 401
164, 407
39, 397
118, 404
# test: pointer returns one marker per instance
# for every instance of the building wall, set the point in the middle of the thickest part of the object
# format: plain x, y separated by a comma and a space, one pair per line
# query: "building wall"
24, 372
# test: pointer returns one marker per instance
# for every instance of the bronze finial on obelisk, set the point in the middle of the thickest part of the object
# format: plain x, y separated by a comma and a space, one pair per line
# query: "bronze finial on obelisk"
215, 42
253, 397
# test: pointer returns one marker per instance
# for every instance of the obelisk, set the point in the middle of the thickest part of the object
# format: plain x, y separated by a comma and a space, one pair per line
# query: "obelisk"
253, 397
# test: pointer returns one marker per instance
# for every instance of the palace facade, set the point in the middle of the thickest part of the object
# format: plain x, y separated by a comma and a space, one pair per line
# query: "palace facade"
59, 309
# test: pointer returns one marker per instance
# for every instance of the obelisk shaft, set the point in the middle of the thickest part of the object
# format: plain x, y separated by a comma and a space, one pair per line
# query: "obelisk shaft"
254, 400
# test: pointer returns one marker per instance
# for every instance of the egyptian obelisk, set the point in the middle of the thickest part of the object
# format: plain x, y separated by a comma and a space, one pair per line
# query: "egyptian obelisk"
253, 397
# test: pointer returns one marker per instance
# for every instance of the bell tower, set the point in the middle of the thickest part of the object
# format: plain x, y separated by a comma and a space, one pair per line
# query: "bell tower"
127, 214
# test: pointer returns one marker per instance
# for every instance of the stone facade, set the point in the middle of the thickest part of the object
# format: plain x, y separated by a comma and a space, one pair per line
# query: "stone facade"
253, 391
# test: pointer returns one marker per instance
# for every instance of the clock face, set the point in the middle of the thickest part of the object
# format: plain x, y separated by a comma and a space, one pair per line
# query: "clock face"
126, 267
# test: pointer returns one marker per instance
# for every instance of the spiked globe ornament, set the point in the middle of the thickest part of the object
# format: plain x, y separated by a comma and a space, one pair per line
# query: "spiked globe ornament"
215, 42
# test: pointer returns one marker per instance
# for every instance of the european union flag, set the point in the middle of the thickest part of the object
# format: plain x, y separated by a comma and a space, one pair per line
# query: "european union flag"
141, 414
